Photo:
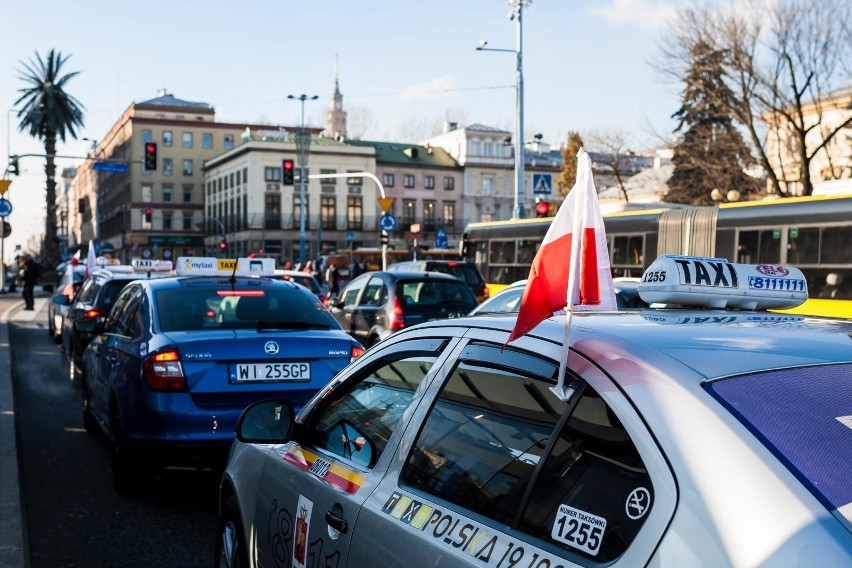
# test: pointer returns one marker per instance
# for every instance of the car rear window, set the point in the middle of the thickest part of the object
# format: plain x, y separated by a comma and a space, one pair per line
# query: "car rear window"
804, 417
435, 292
464, 272
224, 306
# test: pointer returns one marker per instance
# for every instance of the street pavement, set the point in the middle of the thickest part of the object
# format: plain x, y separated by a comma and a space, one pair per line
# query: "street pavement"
13, 540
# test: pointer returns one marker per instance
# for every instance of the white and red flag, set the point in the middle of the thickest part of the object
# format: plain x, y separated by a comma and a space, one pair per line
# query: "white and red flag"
90, 260
571, 268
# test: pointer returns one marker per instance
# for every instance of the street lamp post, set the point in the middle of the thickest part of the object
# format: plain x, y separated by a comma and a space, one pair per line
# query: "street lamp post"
517, 15
302, 143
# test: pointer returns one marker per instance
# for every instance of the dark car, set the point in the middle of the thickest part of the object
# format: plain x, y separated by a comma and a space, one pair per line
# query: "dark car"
93, 302
170, 372
467, 272
376, 304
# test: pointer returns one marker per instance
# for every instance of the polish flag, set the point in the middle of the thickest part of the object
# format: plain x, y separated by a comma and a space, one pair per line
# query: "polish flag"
90, 260
571, 268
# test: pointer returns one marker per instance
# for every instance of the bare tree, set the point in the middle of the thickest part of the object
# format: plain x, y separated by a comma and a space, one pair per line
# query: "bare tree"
777, 63
568, 175
359, 120
614, 153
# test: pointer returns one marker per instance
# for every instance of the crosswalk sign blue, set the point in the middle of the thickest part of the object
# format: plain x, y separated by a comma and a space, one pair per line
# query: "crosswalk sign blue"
541, 184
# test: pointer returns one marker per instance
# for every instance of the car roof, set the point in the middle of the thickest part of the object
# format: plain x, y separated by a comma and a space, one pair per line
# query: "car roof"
708, 344
418, 275
179, 281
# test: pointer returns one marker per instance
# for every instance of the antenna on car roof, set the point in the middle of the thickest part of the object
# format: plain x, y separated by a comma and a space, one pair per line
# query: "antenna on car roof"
234, 273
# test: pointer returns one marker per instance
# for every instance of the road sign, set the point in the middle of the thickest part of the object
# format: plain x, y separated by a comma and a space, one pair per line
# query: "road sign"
7, 230
386, 203
350, 236
111, 167
4, 185
441, 240
5, 207
541, 184
387, 222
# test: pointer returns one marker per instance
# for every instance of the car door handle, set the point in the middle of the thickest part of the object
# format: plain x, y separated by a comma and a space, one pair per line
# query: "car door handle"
335, 522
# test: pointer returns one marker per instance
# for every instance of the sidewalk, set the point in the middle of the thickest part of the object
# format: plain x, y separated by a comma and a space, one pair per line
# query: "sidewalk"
13, 547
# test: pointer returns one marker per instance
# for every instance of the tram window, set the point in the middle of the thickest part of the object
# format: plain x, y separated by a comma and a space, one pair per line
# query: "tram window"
836, 245
526, 251
770, 246
803, 246
627, 250
502, 252
747, 247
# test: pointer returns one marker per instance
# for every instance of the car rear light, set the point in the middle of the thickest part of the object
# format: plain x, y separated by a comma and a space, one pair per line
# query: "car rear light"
164, 372
397, 320
227, 293
93, 314
324, 299
486, 292
356, 352
68, 291
452, 264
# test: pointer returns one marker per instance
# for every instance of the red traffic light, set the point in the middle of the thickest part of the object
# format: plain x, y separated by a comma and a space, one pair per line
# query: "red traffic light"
288, 177
542, 209
223, 245
288, 164
148, 213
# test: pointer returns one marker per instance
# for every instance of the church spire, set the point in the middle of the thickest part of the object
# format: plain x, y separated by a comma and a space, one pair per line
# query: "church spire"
335, 118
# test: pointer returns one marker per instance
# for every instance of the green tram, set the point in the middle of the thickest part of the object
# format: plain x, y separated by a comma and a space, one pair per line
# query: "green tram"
811, 233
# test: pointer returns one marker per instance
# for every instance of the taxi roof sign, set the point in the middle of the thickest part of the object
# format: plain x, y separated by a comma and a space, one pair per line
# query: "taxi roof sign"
717, 283
151, 265
211, 266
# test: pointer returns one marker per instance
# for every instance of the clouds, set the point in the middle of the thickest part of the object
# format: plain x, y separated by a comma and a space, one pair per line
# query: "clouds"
652, 14
438, 88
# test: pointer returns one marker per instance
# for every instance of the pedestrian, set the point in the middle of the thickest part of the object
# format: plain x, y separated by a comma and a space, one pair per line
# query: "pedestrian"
27, 276
332, 276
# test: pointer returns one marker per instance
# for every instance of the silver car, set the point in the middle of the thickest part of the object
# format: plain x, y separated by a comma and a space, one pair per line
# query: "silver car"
691, 437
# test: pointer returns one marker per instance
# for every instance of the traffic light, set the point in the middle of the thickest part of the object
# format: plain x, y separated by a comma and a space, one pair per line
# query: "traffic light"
81, 205
223, 244
542, 209
384, 238
150, 156
289, 171
148, 214
13, 165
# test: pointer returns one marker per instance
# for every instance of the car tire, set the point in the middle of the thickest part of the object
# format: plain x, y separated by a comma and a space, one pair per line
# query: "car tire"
89, 422
231, 549
125, 466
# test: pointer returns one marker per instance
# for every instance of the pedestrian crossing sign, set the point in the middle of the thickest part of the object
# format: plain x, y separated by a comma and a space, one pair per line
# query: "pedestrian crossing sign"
541, 184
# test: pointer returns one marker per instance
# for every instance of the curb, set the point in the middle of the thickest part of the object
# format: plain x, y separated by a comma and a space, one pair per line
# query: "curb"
13, 549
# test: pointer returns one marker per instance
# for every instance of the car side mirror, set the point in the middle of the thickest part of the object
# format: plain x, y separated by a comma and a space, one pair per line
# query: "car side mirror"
266, 422
345, 439
61, 300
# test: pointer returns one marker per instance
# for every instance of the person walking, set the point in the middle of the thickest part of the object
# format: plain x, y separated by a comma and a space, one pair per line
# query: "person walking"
28, 276
332, 276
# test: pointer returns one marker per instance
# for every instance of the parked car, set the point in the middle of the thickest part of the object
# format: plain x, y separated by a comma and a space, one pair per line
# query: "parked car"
67, 286
693, 436
376, 304
508, 300
467, 272
166, 376
94, 301
309, 281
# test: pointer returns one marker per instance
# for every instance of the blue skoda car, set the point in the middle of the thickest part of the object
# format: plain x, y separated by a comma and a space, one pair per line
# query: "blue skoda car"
179, 358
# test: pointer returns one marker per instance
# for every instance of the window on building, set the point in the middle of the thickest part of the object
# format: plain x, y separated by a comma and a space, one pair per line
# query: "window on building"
429, 215
449, 213
232, 177
409, 212
271, 173
272, 211
245, 175
354, 180
329, 180
297, 175
354, 212
167, 194
488, 149
187, 221
147, 193
429, 182
449, 183
168, 166
146, 136
408, 181
487, 185
187, 167
238, 172
207, 140
297, 211
187, 194
328, 212
167, 221
226, 181
187, 139
387, 180
229, 141
474, 148
167, 138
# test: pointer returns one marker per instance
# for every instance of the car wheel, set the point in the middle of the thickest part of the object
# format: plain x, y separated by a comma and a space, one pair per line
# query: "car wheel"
230, 547
125, 467
89, 422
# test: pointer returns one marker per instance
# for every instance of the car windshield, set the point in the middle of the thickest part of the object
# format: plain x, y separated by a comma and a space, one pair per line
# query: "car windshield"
435, 292
802, 415
307, 281
247, 306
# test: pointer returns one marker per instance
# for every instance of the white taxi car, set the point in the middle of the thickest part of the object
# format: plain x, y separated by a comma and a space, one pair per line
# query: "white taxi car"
700, 436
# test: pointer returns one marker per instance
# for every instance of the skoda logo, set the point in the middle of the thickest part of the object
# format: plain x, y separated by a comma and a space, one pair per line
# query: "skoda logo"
271, 348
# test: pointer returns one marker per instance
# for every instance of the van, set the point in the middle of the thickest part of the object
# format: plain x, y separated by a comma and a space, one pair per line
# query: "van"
467, 272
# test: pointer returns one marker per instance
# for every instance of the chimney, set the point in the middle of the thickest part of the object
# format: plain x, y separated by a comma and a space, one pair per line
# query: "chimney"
450, 126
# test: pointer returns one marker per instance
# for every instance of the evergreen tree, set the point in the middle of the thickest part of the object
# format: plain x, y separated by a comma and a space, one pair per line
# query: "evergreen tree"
568, 176
711, 153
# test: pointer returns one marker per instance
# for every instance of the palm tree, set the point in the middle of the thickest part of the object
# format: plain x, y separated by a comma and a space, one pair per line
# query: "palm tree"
46, 110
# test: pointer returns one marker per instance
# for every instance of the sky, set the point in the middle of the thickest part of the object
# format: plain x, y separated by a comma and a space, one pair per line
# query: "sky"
404, 67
